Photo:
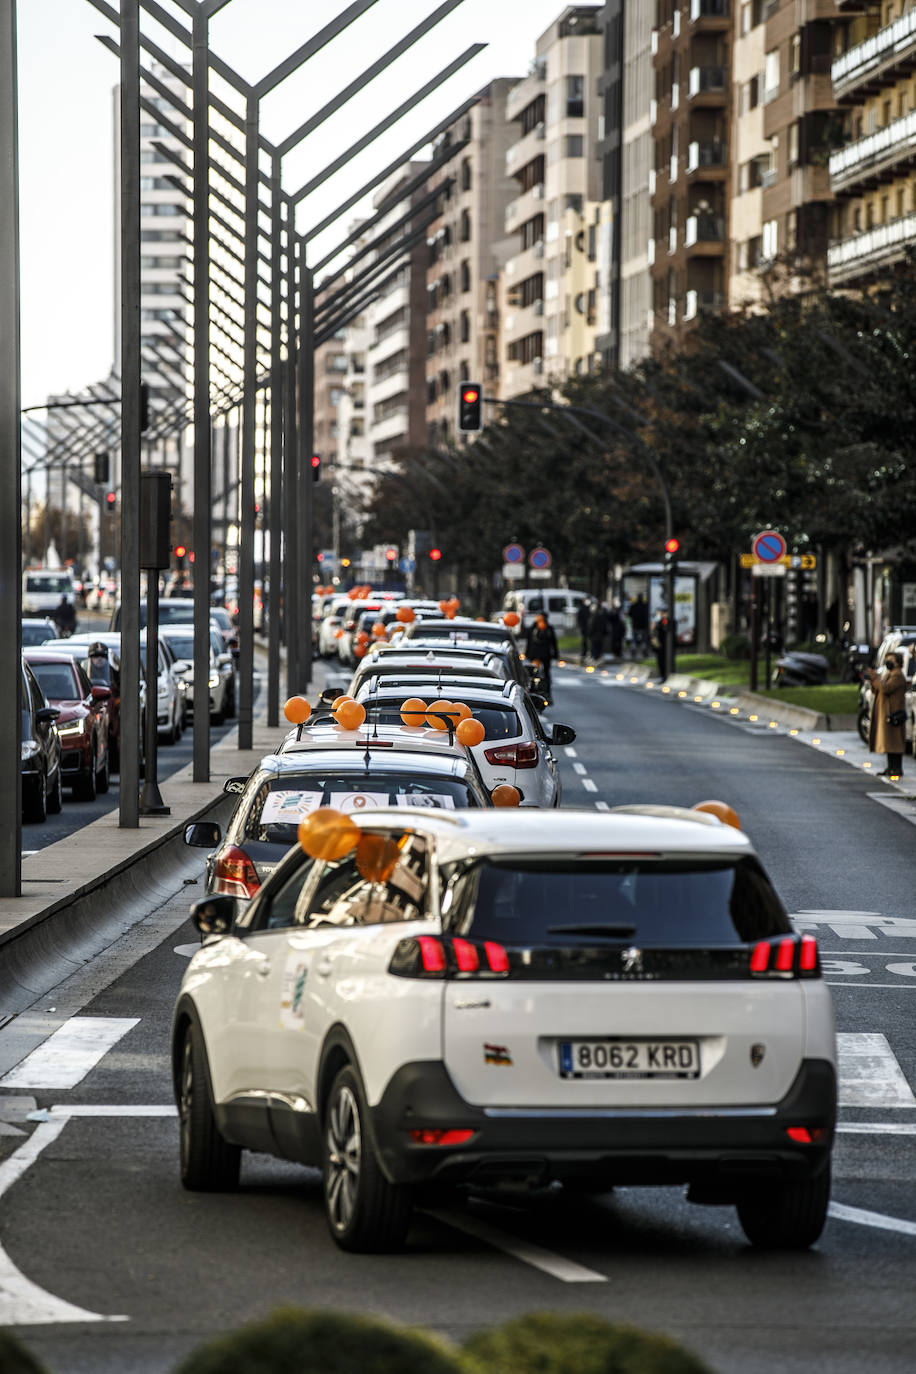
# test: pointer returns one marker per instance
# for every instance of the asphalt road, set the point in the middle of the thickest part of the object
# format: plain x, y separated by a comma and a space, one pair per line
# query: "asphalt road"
98, 1219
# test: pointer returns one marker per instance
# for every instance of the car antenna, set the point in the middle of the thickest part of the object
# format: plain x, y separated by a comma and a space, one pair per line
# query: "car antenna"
375, 686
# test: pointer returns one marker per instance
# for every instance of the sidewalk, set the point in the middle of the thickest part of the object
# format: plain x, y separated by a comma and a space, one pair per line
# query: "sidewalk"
87, 888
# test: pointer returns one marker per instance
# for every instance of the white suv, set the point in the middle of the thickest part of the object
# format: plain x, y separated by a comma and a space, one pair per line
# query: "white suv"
501, 998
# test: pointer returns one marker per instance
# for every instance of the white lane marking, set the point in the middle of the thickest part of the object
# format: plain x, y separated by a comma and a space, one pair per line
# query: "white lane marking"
602, 806
567, 1271
876, 1128
89, 1109
579, 768
840, 1212
65, 1058
856, 925
187, 951
869, 1073
570, 753
567, 680
589, 785
23, 1303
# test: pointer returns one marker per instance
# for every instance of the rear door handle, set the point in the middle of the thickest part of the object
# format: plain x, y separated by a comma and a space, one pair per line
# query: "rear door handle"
324, 968
263, 970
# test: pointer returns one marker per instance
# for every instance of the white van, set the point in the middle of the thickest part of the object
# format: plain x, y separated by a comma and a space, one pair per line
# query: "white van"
42, 589
560, 603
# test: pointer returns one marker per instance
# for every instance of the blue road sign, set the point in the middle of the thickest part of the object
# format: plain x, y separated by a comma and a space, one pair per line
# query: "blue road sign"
539, 558
513, 553
407, 565
769, 546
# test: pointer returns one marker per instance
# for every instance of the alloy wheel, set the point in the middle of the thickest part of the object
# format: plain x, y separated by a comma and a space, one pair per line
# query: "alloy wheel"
344, 1155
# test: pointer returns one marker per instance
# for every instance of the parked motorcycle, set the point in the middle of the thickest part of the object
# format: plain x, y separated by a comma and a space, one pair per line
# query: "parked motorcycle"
797, 669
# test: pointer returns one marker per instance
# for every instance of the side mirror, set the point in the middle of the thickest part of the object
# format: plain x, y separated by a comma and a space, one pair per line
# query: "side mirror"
45, 715
214, 915
235, 786
203, 834
562, 734
182, 665
329, 695
540, 702
100, 693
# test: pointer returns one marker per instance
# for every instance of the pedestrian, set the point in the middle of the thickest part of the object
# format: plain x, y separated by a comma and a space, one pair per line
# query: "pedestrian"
617, 630
887, 730
658, 639
541, 648
583, 616
64, 617
639, 623
597, 629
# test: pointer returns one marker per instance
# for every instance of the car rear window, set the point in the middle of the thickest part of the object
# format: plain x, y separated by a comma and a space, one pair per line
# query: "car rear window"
644, 902
279, 804
58, 681
499, 722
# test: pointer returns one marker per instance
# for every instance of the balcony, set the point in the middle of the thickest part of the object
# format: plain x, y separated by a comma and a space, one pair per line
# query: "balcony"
706, 81
709, 156
696, 302
876, 248
704, 229
875, 60
871, 159
708, 9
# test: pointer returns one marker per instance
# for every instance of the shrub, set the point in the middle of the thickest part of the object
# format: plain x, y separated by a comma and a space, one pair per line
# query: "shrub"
15, 1359
736, 646
291, 1341
551, 1343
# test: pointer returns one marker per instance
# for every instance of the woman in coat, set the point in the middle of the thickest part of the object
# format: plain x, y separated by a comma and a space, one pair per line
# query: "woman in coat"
889, 690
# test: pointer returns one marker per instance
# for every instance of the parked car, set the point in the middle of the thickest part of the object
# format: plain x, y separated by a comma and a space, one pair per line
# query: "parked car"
460, 630
329, 766
495, 1000
42, 589
37, 630
102, 665
430, 662
83, 720
560, 603
42, 782
169, 705
222, 696
515, 749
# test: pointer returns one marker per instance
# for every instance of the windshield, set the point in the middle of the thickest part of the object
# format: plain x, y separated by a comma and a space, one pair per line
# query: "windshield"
49, 582
182, 648
279, 804
57, 681
37, 634
644, 902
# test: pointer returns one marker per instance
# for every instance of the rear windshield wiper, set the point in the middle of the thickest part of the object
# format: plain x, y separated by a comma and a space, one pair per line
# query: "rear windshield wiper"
603, 932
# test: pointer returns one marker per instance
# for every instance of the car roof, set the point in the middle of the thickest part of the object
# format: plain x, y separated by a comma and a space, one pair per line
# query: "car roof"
625, 831
387, 739
490, 689
43, 653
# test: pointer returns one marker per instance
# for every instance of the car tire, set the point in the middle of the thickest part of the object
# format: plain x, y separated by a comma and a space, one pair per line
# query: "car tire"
102, 777
863, 722
86, 784
35, 800
208, 1163
786, 1216
365, 1212
55, 801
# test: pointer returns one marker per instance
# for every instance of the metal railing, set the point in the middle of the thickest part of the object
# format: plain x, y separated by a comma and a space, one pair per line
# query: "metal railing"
874, 244
883, 145
897, 40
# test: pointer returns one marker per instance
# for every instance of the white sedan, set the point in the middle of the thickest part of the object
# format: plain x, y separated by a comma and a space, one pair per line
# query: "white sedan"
492, 999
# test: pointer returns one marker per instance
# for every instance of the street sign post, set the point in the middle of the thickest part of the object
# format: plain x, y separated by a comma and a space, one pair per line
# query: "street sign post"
514, 572
769, 546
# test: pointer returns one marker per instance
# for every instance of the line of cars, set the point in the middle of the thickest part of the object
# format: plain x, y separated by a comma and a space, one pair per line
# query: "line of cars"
70, 728
427, 994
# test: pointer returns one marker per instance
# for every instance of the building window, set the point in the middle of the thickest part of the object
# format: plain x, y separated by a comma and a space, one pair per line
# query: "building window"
575, 97
465, 230
769, 240
574, 145
771, 76
465, 332
465, 275
795, 55
466, 174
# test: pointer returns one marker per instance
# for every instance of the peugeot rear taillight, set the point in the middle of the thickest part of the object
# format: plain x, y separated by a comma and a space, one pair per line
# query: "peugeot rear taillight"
513, 755
235, 873
432, 956
786, 956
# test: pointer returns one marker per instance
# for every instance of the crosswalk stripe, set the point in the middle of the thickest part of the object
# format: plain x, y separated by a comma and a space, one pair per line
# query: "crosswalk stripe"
869, 1073
65, 1058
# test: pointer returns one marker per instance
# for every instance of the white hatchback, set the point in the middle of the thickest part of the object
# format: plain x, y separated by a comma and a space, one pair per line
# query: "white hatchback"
497, 999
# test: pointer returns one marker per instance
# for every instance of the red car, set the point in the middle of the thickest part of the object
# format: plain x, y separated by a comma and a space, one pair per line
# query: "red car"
82, 723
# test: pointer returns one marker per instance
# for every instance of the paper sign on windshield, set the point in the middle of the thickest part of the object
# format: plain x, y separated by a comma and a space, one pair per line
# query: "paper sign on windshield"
429, 799
359, 801
288, 808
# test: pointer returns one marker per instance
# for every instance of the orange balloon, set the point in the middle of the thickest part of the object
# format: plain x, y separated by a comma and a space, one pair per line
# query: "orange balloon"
413, 711
464, 711
376, 857
721, 810
405, 614
469, 732
510, 619
351, 715
362, 637
297, 710
505, 795
360, 650
443, 606
338, 634
353, 594
378, 629
341, 700
440, 715
328, 834
453, 601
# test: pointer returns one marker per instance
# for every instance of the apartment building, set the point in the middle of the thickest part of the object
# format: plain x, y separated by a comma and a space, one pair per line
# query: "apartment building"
466, 248
554, 218
331, 367
874, 175
625, 150
689, 181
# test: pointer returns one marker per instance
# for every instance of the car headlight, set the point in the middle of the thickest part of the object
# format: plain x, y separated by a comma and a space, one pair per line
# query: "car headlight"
214, 681
29, 749
72, 729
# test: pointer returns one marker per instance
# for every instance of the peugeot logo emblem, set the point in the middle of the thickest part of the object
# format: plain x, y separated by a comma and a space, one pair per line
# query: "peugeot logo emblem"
757, 1053
631, 960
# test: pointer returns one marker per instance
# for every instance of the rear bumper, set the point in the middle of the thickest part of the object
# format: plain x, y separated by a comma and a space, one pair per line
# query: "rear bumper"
725, 1149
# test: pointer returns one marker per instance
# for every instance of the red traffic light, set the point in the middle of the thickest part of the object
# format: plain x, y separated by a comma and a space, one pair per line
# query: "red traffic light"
110, 499
180, 550
391, 554
470, 408
470, 395
316, 461
435, 554
672, 545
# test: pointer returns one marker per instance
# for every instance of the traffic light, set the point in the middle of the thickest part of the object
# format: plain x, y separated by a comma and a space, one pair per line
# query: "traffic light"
180, 552
435, 555
144, 406
101, 469
671, 551
316, 467
111, 500
470, 408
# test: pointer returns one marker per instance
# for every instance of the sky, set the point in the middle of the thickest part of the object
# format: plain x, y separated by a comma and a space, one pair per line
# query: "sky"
66, 113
